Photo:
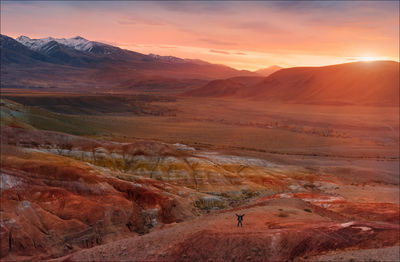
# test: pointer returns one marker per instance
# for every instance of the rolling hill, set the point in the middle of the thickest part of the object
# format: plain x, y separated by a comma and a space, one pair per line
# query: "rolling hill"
225, 87
361, 83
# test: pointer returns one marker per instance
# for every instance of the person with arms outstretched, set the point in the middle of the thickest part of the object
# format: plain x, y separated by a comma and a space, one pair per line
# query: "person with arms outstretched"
240, 220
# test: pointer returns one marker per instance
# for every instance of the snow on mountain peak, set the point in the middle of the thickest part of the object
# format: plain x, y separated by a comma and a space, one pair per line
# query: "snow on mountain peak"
34, 44
23, 38
78, 42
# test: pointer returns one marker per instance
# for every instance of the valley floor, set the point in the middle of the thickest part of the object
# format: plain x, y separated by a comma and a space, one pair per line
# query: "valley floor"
165, 182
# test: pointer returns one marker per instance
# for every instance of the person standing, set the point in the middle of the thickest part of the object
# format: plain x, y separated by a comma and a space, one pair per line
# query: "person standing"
240, 220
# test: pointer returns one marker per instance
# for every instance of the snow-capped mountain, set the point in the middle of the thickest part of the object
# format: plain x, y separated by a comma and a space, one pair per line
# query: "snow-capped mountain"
34, 44
77, 43
49, 47
75, 51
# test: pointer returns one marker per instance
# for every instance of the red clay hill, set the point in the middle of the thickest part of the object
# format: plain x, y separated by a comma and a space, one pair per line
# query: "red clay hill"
361, 83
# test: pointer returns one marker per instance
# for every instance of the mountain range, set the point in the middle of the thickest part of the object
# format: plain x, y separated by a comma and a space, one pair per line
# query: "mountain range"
77, 43
80, 52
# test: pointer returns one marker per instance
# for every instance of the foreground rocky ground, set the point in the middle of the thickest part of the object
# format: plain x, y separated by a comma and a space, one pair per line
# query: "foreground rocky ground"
375, 254
274, 230
71, 198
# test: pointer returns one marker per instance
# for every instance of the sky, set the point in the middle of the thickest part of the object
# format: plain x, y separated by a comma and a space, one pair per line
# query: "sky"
243, 35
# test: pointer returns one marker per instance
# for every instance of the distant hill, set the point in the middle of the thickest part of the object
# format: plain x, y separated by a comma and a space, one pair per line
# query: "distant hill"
362, 83
269, 70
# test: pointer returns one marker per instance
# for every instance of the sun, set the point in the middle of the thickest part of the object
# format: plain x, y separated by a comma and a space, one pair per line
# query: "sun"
368, 58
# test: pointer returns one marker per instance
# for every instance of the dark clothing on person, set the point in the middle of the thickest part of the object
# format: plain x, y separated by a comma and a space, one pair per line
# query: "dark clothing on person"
240, 220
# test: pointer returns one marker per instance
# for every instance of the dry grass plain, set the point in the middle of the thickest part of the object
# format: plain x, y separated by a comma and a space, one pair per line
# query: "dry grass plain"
361, 136
361, 142
357, 143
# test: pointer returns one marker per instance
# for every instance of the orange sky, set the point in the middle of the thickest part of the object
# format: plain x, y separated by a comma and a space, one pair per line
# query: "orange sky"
244, 35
